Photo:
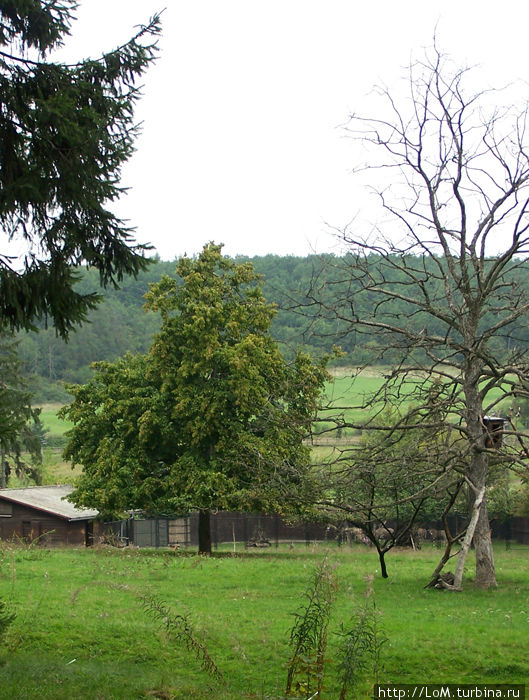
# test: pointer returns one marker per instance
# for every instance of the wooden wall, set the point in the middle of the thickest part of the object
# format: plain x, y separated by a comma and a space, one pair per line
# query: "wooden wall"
31, 524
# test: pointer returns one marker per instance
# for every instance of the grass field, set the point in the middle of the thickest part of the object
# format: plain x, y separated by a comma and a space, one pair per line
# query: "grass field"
55, 469
350, 391
48, 416
81, 631
345, 391
342, 391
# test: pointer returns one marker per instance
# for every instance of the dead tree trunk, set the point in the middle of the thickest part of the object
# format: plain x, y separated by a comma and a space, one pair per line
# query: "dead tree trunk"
476, 509
450, 539
485, 569
477, 474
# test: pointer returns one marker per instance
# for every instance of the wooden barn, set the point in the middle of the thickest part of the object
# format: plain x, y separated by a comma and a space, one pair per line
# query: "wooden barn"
42, 514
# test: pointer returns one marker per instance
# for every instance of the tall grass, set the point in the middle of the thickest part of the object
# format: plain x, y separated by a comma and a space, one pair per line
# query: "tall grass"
6, 618
308, 637
80, 630
361, 645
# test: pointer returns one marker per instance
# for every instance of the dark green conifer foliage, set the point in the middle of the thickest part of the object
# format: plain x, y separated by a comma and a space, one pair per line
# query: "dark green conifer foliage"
20, 427
65, 132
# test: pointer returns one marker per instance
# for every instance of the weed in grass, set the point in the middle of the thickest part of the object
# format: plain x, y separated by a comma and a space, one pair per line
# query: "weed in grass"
30, 616
105, 584
309, 635
162, 693
7, 552
181, 627
361, 644
6, 618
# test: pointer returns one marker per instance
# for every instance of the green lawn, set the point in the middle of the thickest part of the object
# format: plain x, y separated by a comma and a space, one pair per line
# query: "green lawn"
345, 391
349, 392
55, 469
48, 416
81, 631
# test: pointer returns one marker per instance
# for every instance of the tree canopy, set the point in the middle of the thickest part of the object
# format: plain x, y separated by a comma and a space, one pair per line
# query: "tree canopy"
211, 417
65, 131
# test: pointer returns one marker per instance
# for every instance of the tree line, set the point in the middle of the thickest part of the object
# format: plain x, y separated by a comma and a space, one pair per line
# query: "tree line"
119, 324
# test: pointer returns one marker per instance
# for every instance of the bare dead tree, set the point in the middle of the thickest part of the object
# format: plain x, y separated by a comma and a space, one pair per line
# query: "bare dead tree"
434, 292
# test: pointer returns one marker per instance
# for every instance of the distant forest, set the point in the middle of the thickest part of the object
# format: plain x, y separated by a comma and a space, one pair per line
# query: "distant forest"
120, 325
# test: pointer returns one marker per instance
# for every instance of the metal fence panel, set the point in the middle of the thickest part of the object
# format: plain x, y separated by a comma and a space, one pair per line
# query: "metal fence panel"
259, 530
151, 533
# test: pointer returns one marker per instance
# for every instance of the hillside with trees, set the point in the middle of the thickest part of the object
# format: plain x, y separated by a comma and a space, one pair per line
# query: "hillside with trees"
119, 324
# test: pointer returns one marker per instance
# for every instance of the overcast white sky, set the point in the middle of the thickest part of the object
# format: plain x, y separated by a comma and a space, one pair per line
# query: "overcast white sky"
241, 141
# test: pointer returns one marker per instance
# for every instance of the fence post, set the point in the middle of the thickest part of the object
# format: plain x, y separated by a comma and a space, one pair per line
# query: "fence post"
508, 533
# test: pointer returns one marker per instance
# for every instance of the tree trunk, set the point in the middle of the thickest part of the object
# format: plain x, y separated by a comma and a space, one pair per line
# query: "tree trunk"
476, 512
439, 567
383, 569
204, 532
450, 539
485, 571
477, 474
3, 468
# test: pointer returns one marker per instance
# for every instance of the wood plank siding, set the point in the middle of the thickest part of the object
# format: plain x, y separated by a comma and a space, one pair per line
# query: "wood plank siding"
44, 523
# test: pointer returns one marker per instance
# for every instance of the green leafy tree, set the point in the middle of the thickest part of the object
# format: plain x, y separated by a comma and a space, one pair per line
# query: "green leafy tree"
211, 417
66, 131
20, 428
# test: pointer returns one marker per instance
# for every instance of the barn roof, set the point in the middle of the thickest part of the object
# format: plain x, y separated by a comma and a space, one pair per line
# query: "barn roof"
49, 499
